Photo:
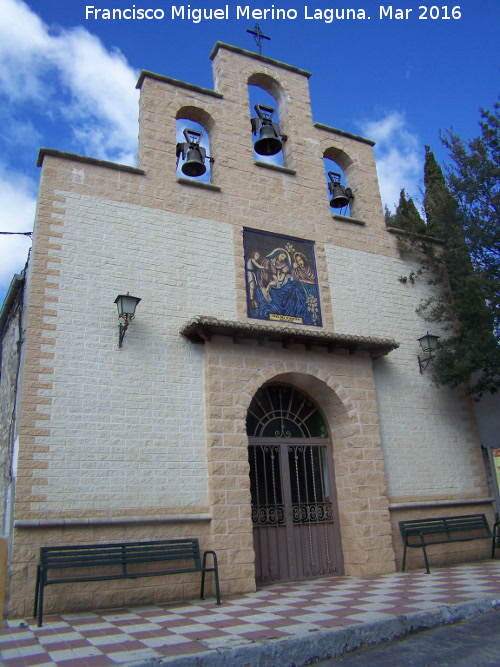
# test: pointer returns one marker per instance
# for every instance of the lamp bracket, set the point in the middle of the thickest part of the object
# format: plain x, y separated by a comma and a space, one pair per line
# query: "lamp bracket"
123, 329
423, 363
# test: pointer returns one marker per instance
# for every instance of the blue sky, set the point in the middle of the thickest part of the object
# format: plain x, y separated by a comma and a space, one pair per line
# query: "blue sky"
68, 82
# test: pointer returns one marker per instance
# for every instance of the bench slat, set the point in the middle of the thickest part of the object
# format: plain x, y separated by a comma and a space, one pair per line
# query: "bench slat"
59, 561
133, 575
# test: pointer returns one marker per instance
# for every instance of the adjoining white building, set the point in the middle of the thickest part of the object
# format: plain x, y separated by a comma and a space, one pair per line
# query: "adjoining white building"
267, 397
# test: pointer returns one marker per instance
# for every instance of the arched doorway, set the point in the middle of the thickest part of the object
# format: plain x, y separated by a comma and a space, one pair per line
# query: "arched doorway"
294, 508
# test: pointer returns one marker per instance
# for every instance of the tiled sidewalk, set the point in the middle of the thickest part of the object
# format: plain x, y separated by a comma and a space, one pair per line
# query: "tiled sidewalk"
119, 636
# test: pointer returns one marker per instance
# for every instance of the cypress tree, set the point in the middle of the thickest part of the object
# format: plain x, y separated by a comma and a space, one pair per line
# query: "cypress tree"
474, 180
469, 347
439, 205
406, 216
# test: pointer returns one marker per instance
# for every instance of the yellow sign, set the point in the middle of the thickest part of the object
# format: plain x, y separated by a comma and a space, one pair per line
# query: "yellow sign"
286, 318
496, 463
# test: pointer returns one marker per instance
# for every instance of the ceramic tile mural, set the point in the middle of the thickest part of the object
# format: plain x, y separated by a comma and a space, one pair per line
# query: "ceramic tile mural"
281, 279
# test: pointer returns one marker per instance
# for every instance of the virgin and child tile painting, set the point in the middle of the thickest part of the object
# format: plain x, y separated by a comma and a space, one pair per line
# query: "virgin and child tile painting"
282, 283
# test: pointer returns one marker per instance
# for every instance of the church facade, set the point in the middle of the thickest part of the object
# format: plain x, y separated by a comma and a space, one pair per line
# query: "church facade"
267, 396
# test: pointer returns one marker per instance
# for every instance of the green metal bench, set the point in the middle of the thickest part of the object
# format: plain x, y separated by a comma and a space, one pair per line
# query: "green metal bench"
120, 561
423, 532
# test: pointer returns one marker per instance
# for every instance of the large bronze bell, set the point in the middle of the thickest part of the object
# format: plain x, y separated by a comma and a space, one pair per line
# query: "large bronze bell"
195, 162
193, 153
340, 196
269, 142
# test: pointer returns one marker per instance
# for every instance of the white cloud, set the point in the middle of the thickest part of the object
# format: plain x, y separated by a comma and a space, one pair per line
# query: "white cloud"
17, 212
23, 38
104, 106
71, 79
69, 72
19, 133
398, 154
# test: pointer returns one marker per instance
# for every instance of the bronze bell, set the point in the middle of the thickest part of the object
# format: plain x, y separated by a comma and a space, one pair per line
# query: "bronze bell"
195, 162
269, 142
193, 153
340, 196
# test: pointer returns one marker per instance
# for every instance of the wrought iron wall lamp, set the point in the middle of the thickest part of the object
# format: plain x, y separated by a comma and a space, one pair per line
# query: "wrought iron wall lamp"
429, 346
126, 305
269, 142
340, 196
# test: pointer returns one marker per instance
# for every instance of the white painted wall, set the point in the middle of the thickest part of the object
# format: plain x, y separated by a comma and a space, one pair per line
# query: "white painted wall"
427, 449
128, 425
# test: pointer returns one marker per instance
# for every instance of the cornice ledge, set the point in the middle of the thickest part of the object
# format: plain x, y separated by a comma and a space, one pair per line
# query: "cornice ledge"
256, 56
345, 218
145, 74
200, 329
198, 184
343, 133
88, 160
420, 237
439, 503
106, 521
276, 167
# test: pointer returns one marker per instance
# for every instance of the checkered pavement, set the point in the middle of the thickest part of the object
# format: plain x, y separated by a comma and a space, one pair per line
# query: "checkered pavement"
120, 636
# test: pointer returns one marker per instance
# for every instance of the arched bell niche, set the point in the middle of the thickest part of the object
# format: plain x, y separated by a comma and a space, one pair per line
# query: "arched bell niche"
340, 188
196, 125
266, 91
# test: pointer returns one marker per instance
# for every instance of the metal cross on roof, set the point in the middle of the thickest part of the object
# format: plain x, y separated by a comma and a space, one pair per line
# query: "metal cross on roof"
258, 35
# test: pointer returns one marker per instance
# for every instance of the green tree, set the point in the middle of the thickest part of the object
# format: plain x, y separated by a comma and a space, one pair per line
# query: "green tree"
406, 216
474, 180
439, 205
469, 352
